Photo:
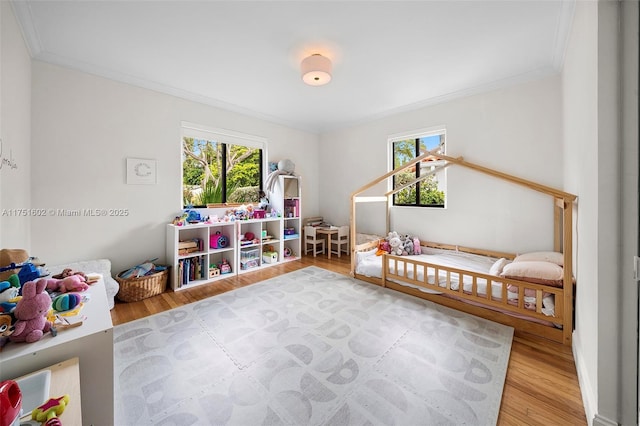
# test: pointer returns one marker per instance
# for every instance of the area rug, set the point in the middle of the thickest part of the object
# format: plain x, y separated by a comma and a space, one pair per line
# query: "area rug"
311, 347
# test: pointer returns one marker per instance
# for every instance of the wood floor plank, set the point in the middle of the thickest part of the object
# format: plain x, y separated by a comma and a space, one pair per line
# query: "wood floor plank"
541, 386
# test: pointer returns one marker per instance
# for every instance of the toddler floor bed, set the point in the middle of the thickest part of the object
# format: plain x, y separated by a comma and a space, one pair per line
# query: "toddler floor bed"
532, 292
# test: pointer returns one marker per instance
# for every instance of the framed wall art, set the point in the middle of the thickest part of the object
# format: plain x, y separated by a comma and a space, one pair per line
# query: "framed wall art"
141, 171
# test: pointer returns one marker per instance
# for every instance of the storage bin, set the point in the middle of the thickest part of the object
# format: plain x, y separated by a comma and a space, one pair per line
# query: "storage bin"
248, 264
248, 254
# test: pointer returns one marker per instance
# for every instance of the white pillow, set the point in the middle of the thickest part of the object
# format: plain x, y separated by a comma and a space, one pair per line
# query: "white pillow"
496, 268
541, 256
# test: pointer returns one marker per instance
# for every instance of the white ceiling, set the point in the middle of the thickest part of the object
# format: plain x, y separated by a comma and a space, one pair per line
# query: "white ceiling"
388, 56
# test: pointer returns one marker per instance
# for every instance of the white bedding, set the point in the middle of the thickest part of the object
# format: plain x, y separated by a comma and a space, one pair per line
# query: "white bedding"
370, 265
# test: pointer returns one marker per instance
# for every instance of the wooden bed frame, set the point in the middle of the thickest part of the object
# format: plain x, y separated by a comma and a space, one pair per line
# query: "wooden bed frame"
472, 302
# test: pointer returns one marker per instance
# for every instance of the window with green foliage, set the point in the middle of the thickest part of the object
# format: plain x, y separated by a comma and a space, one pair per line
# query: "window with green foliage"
216, 171
428, 189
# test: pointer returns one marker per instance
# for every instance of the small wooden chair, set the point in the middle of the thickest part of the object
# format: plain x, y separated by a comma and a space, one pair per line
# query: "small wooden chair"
342, 239
311, 239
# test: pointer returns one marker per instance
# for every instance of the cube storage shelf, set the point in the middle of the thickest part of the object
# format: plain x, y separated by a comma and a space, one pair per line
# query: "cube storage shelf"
200, 253
287, 199
203, 253
267, 234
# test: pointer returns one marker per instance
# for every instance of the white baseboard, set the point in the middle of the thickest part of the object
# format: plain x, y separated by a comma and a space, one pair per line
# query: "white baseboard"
598, 420
589, 398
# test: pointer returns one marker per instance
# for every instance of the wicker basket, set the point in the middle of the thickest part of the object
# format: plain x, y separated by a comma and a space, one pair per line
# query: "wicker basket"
138, 288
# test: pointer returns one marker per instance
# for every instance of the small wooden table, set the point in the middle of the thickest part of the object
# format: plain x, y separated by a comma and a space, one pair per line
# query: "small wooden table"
328, 232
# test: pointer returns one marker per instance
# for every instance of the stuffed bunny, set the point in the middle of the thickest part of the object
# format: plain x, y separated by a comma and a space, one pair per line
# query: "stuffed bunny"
31, 313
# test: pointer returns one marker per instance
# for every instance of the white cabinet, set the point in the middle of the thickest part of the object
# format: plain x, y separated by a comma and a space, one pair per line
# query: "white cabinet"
287, 199
259, 243
200, 253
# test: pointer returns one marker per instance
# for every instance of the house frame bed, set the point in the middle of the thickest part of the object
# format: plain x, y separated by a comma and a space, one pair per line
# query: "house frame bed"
397, 270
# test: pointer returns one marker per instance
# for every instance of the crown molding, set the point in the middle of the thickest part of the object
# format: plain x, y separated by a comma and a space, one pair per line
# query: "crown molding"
22, 10
563, 29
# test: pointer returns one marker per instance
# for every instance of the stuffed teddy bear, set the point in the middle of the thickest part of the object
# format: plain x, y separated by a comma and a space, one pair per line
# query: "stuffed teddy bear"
31, 312
71, 283
416, 246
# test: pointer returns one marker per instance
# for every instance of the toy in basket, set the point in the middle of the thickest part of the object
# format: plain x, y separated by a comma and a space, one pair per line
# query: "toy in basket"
142, 281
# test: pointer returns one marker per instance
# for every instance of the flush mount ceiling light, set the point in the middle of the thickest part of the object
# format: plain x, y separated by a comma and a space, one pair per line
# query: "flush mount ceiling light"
316, 70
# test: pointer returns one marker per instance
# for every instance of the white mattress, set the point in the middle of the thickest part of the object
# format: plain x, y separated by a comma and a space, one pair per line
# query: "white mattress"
370, 265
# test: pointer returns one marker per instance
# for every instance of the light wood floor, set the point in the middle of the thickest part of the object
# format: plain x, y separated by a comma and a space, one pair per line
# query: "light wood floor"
541, 386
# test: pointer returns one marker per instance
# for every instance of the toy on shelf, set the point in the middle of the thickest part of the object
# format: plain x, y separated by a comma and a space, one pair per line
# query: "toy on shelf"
224, 267
10, 403
214, 271
6, 329
217, 240
31, 312
48, 413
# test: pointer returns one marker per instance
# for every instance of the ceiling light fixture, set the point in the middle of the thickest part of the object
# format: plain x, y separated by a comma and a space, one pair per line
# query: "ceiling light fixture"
316, 70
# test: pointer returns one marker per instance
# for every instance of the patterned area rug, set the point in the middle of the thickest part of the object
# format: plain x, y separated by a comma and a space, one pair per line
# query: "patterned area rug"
310, 347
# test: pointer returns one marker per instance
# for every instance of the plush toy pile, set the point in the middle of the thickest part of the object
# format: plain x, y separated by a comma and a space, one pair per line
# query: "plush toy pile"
28, 309
399, 245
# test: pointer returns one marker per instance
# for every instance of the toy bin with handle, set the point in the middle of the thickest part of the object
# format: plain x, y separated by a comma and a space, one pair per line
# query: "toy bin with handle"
217, 241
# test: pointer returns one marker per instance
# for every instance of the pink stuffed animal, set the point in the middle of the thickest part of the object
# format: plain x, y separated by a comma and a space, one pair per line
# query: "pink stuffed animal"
65, 285
416, 246
31, 313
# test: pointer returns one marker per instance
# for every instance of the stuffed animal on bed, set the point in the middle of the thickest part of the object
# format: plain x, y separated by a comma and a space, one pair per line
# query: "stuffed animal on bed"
383, 248
408, 246
416, 246
396, 246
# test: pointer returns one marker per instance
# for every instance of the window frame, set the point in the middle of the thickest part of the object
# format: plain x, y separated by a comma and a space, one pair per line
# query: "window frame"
225, 137
416, 135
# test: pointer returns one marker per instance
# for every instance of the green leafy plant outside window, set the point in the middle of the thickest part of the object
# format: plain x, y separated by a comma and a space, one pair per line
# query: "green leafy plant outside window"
206, 181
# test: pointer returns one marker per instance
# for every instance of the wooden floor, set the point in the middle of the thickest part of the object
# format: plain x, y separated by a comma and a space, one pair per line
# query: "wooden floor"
541, 386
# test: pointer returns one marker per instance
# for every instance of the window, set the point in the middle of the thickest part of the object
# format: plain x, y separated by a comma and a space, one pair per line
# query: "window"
428, 176
220, 166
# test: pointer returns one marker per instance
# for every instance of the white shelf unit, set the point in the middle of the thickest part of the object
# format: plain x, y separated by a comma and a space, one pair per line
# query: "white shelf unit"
193, 268
287, 199
268, 233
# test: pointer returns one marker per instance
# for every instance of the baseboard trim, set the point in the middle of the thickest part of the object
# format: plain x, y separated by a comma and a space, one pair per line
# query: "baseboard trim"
587, 391
598, 420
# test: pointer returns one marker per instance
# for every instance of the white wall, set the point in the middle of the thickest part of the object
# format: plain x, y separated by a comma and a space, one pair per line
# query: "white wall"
516, 130
84, 129
580, 100
15, 132
605, 340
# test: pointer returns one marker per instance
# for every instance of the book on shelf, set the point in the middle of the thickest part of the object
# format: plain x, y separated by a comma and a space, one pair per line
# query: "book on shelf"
191, 269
